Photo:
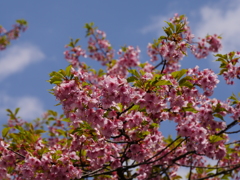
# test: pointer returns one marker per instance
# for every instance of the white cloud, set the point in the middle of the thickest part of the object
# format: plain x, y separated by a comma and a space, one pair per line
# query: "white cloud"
17, 57
30, 107
223, 20
156, 25
219, 18
183, 171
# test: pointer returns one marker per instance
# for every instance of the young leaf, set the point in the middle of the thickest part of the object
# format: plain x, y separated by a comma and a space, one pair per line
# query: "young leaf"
191, 109
16, 111
163, 82
68, 70
131, 79
219, 116
170, 25
134, 72
5, 131
178, 74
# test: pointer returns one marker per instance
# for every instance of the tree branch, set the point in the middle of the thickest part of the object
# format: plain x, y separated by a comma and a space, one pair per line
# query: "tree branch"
221, 172
228, 127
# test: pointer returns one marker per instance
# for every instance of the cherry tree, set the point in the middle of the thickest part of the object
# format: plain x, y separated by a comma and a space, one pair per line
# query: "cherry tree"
109, 128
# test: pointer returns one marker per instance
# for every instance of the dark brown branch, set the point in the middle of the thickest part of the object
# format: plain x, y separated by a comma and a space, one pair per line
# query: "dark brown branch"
162, 61
183, 155
235, 142
233, 132
190, 169
16, 153
120, 113
164, 148
220, 173
203, 167
228, 127
164, 64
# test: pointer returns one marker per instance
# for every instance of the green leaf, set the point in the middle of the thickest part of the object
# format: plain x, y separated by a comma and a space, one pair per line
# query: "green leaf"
101, 73
143, 134
223, 65
68, 70
185, 79
20, 128
226, 177
14, 136
179, 28
5, 131
131, 79
191, 109
219, 116
62, 72
53, 113
233, 97
163, 82
135, 107
177, 177
61, 132
8, 110
199, 170
170, 25
134, 72
154, 125
22, 22
218, 55
16, 111
168, 140
89, 25
231, 54
222, 71
187, 84
178, 74
162, 37
215, 138
39, 131
76, 41
66, 120
167, 31
57, 82
222, 60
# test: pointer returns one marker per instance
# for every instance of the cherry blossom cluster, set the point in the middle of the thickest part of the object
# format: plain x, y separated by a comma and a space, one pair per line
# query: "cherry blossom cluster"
207, 45
206, 79
186, 33
73, 56
172, 52
129, 58
14, 33
231, 73
99, 48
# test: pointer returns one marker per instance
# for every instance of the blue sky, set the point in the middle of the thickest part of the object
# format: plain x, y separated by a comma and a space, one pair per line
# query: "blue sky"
25, 65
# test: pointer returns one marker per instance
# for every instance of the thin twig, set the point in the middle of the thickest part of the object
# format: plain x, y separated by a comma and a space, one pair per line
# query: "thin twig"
220, 173
228, 127
16, 153
233, 132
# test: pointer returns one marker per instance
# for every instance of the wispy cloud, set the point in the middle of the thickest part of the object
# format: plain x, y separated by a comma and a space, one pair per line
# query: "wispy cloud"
30, 107
18, 57
221, 19
156, 24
